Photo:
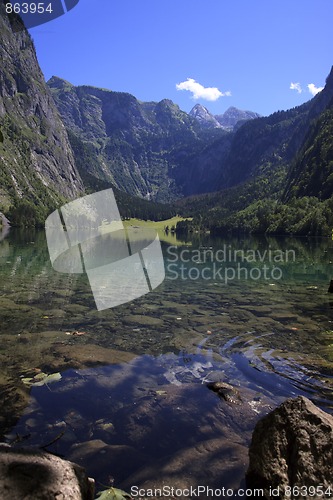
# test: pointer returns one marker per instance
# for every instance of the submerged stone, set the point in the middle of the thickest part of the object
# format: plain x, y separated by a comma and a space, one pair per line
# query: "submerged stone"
225, 391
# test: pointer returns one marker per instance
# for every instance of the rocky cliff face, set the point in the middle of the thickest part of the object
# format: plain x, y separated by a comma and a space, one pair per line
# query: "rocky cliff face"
147, 149
36, 160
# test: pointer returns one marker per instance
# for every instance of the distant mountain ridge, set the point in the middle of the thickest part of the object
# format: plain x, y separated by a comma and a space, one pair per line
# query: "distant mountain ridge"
144, 148
156, 151
227, 121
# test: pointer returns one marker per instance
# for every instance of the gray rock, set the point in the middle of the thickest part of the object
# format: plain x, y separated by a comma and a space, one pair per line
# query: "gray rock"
34, 475
292, 447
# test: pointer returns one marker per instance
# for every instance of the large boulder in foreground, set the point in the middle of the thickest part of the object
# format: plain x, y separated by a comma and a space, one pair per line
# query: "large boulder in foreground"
292, 447
34, 475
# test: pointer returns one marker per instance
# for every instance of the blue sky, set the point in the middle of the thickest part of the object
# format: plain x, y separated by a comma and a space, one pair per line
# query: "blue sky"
248, 52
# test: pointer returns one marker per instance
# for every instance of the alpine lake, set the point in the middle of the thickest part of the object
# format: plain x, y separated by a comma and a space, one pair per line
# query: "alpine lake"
123, 392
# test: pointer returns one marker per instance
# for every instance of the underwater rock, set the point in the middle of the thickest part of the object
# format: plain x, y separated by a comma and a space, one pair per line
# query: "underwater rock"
193, 465
31, 474
284, 316
292, 447
108, 462
79, 356
142, 320
14, 398
330, 288
225, 391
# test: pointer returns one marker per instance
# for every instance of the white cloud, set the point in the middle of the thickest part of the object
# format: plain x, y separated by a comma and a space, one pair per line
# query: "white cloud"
201, 92
296, 86
313, 89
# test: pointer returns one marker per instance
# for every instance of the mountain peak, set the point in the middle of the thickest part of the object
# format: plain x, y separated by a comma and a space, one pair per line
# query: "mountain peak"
198, 107
233, 115
329, 79
59, 83
204, 117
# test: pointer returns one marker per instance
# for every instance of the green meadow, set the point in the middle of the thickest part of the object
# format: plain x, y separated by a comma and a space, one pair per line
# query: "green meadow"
159, 226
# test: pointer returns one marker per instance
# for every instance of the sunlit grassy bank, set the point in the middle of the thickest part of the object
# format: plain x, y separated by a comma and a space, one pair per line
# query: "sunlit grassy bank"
165, 228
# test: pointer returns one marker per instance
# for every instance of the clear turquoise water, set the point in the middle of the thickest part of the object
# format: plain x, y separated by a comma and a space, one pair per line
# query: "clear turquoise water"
271, 335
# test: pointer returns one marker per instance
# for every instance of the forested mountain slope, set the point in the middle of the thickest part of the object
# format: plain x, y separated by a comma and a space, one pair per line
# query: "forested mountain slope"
286, 164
